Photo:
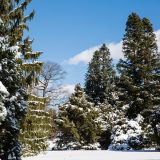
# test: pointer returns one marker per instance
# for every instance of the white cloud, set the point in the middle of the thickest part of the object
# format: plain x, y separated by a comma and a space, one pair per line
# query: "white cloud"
68, 88
86, 55
115, 50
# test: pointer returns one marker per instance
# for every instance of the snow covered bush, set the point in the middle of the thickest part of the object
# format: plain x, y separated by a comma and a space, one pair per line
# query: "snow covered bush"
3, 93
77, 123
152, 129
155, 123
127, 134
107, 116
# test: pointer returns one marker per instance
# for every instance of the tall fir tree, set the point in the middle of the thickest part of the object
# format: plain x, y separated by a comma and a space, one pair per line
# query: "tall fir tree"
15, 103
36, 127
139, 69
77, 122
99, 82
99, 86
12, 13
139, 81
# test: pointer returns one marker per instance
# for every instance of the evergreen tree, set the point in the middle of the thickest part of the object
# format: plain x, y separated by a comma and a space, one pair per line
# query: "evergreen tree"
99, 86
35, 130
77, 122
15, 21
15, 103
138, 72
12, 12
139, 80
99, 82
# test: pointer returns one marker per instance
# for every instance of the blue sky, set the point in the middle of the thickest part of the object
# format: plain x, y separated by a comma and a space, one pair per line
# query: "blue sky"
63, 29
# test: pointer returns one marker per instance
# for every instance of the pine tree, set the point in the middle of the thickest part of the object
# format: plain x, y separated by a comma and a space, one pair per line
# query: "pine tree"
138, 70
15, 103
99, 82
99, 86
12, 13
139, 80
77, 122
35, 130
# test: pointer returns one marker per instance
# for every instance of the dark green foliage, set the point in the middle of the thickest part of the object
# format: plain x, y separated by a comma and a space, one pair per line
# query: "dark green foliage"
138, 71
99, 86
105, 139
15, 103
14, 24
36, 128
99, 80
12, 12
30, 64
77, 122
139, 81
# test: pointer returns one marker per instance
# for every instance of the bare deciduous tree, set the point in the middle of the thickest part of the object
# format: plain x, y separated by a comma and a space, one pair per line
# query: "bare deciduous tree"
50, 80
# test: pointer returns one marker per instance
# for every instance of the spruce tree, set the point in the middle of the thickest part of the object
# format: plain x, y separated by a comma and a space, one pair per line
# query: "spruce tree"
15, 103
77, 122
138, 70
139, 80
12, 12
36, 127
99, 82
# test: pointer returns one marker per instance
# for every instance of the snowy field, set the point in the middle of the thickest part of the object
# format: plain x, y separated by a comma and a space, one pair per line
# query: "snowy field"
96, 155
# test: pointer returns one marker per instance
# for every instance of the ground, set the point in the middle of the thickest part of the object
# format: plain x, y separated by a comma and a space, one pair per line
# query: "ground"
96, 155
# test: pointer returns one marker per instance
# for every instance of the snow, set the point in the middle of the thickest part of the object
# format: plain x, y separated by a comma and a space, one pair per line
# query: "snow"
3, 89
3, 93
127, 135
3, 113
95, 155
3, 44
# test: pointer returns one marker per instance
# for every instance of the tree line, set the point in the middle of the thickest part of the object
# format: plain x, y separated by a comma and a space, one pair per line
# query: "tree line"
118, 109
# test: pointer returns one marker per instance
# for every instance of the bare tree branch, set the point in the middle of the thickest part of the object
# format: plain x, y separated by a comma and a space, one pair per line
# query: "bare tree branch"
50, 80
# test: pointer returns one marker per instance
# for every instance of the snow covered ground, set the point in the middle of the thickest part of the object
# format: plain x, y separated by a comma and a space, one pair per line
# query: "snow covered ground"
96, 155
